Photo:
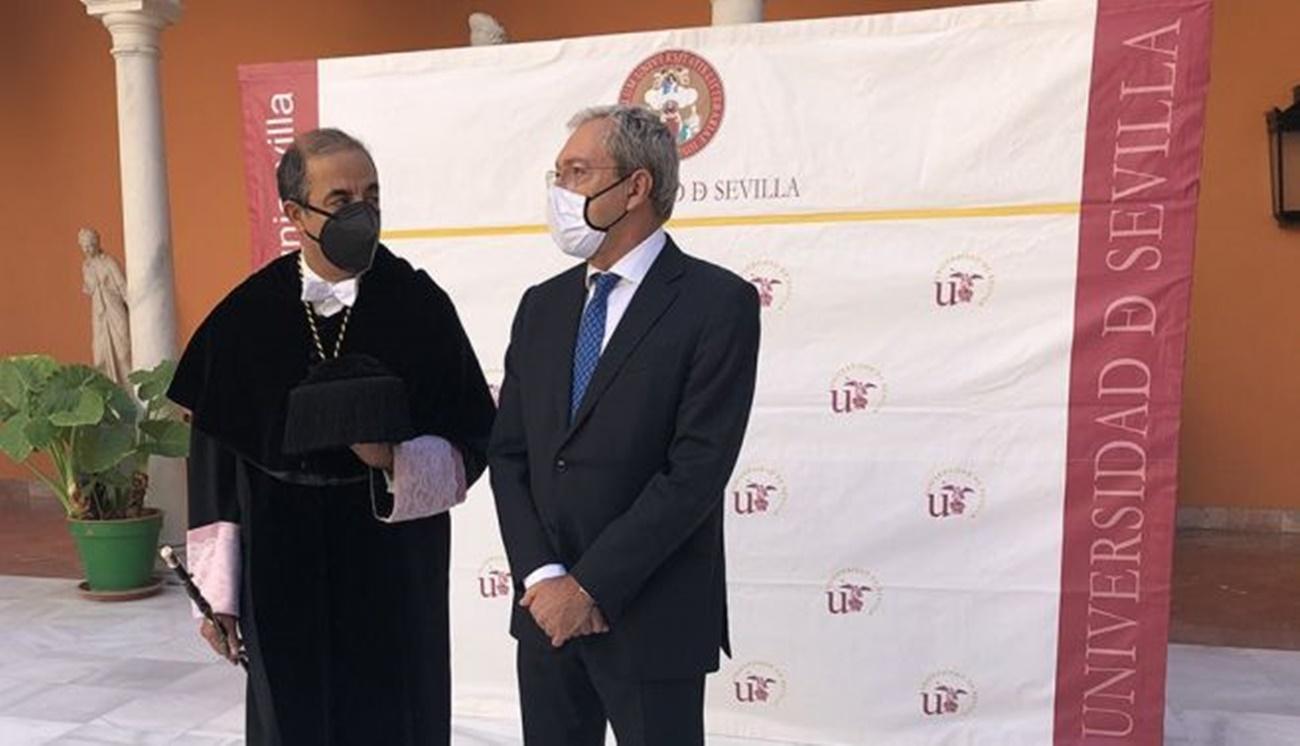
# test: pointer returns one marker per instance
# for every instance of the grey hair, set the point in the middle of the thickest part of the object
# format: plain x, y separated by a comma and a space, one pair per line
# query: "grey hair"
291, 174
639, 139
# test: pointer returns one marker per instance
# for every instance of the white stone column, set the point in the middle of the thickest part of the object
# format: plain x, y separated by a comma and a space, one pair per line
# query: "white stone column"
726, 12
136, 27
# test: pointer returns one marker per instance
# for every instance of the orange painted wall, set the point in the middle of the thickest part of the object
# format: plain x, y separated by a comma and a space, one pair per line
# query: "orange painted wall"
1241, 406
58, 140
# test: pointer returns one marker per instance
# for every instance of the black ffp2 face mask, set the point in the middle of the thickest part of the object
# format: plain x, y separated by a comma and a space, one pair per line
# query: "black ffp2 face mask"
350, 235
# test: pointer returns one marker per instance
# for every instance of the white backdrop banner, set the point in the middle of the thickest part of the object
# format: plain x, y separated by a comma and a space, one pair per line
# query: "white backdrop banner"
971, 230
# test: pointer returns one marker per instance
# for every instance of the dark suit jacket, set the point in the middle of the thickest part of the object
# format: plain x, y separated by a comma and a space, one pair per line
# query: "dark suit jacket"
629, 497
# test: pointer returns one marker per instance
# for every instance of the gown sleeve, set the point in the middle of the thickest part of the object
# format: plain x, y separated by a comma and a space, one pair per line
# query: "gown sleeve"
212, 543
428, 478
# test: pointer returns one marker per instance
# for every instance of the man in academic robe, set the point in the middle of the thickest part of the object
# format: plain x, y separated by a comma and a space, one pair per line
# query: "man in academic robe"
330, 568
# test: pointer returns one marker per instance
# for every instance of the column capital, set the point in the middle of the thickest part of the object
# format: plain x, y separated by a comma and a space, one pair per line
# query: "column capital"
727, 12
134, 24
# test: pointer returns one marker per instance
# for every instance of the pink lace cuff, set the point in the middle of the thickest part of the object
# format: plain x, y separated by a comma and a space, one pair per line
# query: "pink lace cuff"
428, 479
214, 562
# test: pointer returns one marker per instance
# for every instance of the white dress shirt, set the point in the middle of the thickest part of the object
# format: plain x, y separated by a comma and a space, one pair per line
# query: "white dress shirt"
631, 271
327, 298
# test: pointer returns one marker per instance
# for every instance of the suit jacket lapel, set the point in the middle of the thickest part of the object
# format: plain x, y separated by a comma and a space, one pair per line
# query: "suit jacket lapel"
656, 293
563, 327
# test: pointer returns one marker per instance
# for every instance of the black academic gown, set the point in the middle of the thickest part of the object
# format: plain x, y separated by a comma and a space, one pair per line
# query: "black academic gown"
345, 617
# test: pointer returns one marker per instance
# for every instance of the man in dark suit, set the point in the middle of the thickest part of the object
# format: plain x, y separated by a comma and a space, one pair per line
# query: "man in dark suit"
627, 390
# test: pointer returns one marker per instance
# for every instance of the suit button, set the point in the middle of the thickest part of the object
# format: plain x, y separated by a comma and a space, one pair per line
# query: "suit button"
561, 464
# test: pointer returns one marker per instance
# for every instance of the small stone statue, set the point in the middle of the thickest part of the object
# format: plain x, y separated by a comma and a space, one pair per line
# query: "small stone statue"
103, 281
484, 30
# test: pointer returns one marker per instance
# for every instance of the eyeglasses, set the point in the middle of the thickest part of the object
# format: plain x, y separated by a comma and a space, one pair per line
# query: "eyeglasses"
574, 174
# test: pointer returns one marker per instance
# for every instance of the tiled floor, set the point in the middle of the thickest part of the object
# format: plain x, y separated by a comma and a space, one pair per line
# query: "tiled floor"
1232, 697
74, 673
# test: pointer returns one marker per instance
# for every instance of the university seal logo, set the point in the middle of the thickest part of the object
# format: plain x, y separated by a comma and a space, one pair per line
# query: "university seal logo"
758, 685
757, 492
686, 91
947, 694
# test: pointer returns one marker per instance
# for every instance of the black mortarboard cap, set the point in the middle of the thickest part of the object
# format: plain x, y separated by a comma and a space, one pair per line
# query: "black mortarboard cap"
349, 399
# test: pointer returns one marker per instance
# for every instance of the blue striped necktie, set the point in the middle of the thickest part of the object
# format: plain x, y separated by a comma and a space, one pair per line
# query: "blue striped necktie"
591, 334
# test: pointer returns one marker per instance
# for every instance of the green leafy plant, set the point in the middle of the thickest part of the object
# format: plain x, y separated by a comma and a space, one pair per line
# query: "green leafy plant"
97, 435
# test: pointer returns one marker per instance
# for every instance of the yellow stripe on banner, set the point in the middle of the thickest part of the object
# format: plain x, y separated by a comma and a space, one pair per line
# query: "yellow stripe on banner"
487, 230
793, 218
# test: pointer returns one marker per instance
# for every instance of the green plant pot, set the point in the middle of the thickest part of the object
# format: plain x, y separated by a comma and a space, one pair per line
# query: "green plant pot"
118, 555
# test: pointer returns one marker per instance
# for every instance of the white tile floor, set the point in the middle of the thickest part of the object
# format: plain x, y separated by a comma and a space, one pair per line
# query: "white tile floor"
74, 673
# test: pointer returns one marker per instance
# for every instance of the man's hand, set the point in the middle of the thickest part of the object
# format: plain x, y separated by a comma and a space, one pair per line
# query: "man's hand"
595, 624
375, 455
563, 609
231, 625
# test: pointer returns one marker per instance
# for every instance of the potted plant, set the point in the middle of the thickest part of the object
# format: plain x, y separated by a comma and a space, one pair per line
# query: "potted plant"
96, 439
